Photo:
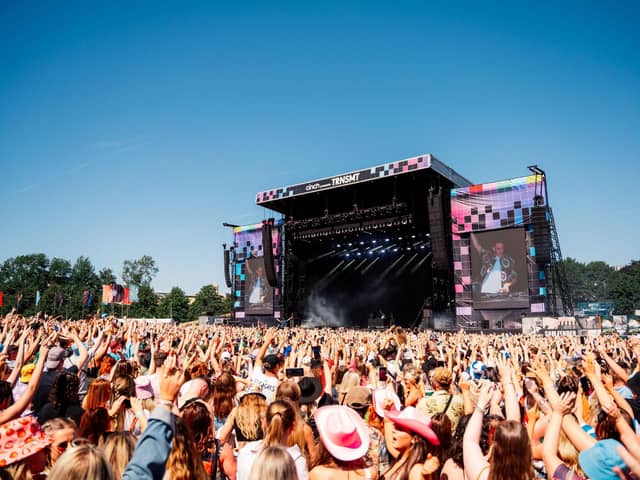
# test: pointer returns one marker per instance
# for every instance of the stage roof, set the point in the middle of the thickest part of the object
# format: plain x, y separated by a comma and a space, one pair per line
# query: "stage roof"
278, 198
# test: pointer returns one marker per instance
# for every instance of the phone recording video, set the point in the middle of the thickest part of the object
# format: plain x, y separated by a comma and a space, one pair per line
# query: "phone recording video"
294, 372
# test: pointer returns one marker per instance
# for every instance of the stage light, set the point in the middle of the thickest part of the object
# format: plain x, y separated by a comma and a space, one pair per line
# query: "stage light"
338, 245
408, 248
395, 249
422, 247
399, 238
374, 241
413, 236
386, 239
349, 244
361, 243
358, 254
347, 254
382, 251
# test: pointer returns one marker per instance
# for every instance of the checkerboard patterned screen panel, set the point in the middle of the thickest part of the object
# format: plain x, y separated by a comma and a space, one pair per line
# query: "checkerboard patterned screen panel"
492, 206
247, 242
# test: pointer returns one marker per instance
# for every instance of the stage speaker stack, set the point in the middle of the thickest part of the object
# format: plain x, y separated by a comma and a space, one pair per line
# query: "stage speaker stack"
541, 235
267, 251
439, 250
227, 274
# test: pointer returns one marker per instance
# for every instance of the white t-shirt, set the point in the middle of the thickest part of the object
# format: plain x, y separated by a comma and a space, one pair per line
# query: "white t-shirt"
251, 450
264, 384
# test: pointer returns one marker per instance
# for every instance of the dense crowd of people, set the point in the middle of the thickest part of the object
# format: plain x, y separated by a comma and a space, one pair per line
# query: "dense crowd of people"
108, 399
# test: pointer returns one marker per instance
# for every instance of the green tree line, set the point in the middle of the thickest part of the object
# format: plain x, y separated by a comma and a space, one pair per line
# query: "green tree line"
62, 284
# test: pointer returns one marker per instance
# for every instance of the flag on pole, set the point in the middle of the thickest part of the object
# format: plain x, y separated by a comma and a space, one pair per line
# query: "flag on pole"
85, 298
18, 298
89, 300
133, 293
106, 294
37, 297
125, 297
1, 298
58, 299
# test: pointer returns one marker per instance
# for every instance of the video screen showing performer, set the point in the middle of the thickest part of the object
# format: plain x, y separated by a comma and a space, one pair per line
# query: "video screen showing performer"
499, 269
258, 294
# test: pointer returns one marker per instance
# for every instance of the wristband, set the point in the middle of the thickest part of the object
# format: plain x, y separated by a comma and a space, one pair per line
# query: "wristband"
480, 409
166, 403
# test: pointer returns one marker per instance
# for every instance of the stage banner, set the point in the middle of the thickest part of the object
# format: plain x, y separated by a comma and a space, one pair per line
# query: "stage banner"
258, 293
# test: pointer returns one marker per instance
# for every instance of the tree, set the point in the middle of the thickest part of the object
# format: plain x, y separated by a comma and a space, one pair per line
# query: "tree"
208, 302
24, 274
139, 272
106, 276
625, 289
588, 282
146, 305
59, 271
175, 305
24, 271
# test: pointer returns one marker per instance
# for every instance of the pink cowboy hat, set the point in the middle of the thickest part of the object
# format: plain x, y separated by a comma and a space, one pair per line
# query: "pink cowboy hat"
342, 432
380, 396
415, 421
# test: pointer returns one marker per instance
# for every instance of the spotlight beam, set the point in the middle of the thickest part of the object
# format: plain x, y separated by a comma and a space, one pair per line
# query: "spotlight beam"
389, 268
420, 263
324, 255
368, 267
404, 267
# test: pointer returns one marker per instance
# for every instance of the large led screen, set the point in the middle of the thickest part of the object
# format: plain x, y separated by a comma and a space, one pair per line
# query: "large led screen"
499, 269
258, 294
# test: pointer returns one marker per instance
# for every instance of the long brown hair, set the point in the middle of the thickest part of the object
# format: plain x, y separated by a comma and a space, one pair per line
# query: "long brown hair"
510, 456
290, 391
417, 453
184, 462
98, 394
93, 424
281, 418
197, 419
224, 391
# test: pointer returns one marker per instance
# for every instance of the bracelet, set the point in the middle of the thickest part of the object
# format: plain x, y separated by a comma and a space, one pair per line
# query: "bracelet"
480, 409
166, 403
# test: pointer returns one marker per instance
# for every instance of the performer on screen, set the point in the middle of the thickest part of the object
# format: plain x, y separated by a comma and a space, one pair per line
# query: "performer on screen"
498, 270
258, 287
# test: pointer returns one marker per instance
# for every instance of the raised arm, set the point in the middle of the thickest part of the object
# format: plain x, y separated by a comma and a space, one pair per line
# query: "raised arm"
474, 461
560, 407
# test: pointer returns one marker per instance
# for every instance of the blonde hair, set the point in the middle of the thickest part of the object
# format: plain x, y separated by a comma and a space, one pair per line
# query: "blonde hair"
85, 462
249, 415
273, 463
118, 448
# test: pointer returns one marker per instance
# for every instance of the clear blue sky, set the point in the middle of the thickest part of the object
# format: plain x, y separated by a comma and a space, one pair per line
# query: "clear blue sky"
131, 128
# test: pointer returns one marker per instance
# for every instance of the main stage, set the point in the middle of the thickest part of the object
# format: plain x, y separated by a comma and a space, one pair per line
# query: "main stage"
396, 244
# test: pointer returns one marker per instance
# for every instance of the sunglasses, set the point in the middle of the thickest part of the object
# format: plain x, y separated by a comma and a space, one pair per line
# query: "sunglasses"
76, 442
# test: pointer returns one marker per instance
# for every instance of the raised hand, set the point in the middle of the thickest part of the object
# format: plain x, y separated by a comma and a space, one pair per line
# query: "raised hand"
563, 404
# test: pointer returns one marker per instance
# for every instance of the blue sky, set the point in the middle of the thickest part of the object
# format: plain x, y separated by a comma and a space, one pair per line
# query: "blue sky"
132, 128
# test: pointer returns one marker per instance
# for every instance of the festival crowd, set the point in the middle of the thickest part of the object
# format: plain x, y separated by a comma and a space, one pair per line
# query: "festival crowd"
108, 399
